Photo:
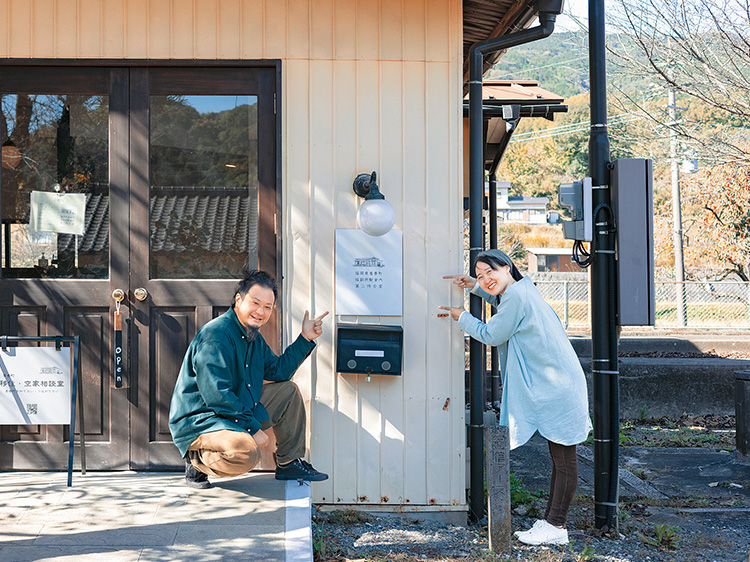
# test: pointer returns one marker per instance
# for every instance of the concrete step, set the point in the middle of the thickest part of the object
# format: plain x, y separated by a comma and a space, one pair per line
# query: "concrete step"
136, 516
673, 386
692, 343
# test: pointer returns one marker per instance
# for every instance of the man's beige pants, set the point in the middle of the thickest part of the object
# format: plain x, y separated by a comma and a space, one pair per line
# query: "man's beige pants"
231, 453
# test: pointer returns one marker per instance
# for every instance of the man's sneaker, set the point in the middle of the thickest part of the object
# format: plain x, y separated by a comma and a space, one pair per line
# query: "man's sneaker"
299, 470
195, 478
544, 533
527, 531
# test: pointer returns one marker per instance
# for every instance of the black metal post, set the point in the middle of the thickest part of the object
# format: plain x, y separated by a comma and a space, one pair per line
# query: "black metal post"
494, 362
603, 292
476, 234
476, 244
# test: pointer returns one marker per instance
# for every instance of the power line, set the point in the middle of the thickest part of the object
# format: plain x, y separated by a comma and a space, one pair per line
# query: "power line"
571, 128
533, 69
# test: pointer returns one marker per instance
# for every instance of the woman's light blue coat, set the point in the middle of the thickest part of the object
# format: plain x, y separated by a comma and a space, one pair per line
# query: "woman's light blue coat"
544, 388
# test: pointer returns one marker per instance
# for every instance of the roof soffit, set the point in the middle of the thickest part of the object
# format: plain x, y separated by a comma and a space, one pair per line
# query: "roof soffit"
485, 19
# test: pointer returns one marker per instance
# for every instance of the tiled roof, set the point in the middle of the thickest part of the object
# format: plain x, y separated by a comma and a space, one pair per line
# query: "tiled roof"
214, 219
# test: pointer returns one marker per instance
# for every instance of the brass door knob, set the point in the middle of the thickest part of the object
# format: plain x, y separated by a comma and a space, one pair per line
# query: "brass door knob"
118, 295
140, 293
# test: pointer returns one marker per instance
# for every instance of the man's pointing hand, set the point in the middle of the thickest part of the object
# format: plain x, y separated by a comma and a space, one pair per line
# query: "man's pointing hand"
312, 327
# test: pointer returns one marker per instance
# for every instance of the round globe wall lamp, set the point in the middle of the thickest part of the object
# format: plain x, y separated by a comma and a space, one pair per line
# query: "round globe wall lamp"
375, 215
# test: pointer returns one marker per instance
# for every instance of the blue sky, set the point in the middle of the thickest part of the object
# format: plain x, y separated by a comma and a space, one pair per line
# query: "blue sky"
215, 104
579, 8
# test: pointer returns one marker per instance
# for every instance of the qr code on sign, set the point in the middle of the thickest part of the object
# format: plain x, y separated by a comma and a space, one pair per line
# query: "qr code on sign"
32, 409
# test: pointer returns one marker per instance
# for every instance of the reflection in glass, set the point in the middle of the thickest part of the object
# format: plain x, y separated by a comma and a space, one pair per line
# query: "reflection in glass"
204, 186
54, 143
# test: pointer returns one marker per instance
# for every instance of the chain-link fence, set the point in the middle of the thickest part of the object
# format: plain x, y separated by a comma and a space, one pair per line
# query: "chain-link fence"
721, 304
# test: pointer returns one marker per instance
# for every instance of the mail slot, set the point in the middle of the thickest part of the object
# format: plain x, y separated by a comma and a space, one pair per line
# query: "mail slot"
369, 350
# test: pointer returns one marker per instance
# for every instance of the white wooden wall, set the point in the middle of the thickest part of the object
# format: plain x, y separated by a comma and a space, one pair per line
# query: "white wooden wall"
367, 85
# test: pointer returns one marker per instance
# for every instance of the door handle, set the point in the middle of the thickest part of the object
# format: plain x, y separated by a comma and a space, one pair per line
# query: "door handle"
140, 293
118, 295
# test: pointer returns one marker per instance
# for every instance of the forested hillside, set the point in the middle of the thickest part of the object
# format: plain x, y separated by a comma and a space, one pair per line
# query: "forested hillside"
559, 63
544, 154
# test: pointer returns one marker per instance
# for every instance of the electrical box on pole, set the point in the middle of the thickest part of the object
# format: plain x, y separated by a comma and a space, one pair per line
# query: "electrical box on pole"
576, 198
631, 181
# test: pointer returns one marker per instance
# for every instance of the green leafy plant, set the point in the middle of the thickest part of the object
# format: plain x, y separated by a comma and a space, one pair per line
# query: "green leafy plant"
519, 495
317, 541
665, 537
586, 554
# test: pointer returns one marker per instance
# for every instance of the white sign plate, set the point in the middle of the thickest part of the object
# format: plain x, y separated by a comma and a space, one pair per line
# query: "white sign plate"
369, 273
58, 212
35, 386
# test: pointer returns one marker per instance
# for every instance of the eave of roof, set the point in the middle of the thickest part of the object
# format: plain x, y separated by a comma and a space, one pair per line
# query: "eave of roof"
485, 19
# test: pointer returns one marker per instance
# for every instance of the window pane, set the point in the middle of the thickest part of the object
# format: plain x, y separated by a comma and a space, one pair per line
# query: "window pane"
54, 143
204, 186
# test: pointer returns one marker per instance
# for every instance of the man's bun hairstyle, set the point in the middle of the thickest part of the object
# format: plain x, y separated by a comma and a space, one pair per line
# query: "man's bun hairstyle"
252, 277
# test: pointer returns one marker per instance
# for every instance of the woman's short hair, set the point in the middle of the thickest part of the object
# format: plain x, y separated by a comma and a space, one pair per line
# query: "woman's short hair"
251, 278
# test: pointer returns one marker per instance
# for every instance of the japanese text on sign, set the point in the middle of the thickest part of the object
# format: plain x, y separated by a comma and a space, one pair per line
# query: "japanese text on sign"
35, 385
368, 273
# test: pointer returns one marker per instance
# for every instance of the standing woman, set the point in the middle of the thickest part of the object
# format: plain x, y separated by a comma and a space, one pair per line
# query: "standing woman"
544, 388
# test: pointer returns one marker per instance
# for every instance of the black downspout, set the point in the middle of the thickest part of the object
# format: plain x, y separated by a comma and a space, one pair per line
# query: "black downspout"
494, 358
476, 238
603, 321
494, 362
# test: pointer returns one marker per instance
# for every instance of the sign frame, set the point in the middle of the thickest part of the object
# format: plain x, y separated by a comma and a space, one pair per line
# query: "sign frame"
368, 273
75, 390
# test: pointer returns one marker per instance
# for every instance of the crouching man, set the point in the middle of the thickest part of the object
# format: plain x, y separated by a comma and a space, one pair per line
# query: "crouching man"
220, 407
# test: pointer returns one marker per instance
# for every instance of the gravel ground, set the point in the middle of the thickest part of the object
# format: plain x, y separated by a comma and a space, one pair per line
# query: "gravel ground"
720, 535
711, 527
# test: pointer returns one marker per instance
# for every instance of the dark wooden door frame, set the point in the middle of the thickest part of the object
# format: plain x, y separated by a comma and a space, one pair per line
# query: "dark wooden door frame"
67, 67
83, 306
187, 303
122, 153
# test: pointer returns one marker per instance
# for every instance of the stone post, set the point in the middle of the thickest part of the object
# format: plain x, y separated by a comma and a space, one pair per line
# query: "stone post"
742, 411
498, 486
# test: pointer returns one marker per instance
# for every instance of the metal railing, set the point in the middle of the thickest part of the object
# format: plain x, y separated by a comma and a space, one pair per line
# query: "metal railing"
719, 304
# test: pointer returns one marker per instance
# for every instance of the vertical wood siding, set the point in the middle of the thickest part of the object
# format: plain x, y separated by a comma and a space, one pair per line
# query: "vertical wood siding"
367, 85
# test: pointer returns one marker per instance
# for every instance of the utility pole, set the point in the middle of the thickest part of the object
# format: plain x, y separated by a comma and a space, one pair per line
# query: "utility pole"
679, 262
603, 327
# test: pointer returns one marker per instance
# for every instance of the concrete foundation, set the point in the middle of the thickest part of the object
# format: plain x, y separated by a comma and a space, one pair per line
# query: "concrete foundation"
672, 386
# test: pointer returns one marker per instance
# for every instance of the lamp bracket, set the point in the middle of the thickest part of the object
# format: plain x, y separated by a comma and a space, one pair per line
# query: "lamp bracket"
366, 187
362, 184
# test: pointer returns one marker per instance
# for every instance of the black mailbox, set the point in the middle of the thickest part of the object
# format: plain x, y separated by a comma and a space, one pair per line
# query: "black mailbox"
369, 350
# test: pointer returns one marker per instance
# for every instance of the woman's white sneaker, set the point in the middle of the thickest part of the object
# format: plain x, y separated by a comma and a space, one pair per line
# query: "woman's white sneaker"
544, 533
527, 531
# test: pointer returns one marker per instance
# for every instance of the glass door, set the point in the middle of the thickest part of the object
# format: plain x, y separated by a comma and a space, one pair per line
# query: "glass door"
64, 242
159, 182
204, 143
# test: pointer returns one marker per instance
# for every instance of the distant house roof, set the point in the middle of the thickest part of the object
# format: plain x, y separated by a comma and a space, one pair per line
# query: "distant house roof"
218, 218
551, 251
523, 201
513, 92
182, 218
521, 92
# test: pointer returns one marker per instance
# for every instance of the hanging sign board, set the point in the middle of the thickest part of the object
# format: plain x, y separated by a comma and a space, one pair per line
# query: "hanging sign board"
58, 212
369, 273
119, 364
35, 386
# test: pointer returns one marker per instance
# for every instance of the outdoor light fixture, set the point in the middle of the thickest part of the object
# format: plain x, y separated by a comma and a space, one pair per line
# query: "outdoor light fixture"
375, 216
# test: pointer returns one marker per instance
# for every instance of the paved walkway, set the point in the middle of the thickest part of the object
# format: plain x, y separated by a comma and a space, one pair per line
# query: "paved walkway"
138, 516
